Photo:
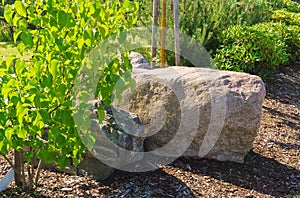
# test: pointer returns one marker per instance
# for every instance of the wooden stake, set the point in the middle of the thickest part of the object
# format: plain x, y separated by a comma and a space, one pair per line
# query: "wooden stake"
154, 31
176, 33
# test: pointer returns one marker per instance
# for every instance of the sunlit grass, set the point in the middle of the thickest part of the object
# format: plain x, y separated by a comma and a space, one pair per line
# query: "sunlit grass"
8, 49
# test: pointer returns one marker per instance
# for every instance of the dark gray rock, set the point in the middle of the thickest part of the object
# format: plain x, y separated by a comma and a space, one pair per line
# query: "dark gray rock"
138, 61
124, 130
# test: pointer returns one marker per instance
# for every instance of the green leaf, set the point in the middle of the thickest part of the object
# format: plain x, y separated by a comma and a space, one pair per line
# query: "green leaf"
22, 24
8, 14
103, 29
21, 48
26, 37
47, 156
80, 43
38, 100
44, 114
37, 68
53, 133
89, 140
4, 147
16, 35
88, 35
122, 37
20, 8
60, 141
3, 119
10, 60
67, 117
63, 18
21, 133
19, 67
16, 19
8, 134
62, 162
101, 114
14, 98
53, 68
38, 121
62, 88
132, 84
21, 111
46, 81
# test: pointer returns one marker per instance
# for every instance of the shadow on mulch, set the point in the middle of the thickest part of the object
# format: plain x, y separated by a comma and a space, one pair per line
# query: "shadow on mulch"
156, 183
284, 86
264, 175
294, 125
286, 145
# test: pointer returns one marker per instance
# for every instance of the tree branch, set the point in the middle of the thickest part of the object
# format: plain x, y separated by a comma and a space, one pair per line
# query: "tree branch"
8, 160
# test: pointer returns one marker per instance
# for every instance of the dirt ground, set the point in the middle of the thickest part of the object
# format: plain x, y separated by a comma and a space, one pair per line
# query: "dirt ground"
271, 169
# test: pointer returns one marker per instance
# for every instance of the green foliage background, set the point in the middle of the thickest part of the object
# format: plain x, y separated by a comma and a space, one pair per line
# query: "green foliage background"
240, 35
261, 48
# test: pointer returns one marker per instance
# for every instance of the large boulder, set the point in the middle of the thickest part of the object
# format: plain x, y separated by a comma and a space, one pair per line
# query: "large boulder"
197, 112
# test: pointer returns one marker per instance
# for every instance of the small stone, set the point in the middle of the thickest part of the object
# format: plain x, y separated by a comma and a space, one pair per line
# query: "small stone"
138, 61
66, 189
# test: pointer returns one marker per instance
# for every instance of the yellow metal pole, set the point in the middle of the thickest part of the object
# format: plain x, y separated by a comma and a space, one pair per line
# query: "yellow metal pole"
163, 34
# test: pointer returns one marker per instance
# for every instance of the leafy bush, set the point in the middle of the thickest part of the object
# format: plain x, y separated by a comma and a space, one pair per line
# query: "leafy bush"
289, 18
290, 31
257, 49
5, 32
36, 97
292, 39
204, 20
3, 3
288, 5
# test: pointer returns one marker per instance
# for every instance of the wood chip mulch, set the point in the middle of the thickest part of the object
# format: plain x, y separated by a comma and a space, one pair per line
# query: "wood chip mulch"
271, 169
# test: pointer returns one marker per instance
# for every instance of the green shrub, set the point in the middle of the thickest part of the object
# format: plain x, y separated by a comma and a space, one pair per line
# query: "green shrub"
5, 3
290, 35
287, 5
204, 20
37, 96
291, 30
289, 18
257, 49
292, 39
5, 32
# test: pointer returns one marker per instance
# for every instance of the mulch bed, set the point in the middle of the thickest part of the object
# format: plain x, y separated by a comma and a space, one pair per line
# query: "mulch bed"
271, 169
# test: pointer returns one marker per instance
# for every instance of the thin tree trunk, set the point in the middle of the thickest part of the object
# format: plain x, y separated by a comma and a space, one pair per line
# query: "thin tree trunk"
154, 31
38, 170
163, 34
176, 33
18, 168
